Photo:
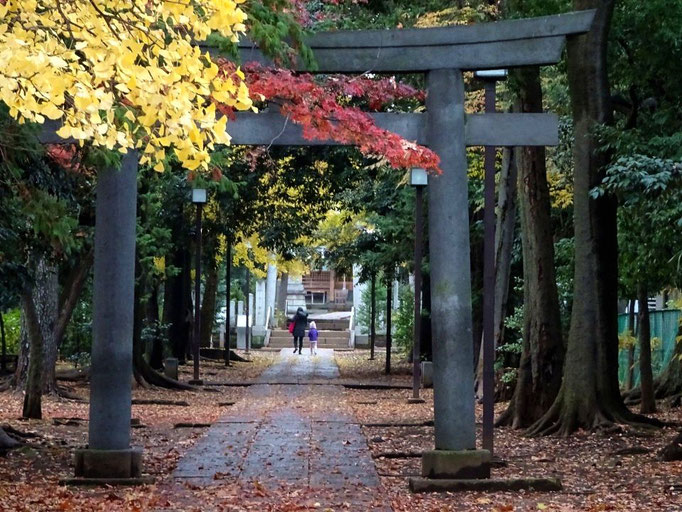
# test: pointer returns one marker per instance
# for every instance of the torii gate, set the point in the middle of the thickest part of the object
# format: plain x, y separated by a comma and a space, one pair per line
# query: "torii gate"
442, 54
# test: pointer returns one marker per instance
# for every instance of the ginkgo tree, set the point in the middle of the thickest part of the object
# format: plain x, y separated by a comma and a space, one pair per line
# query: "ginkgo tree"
123, 74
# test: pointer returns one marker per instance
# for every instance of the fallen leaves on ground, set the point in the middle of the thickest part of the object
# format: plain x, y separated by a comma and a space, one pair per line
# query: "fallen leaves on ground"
595, 478
356, 365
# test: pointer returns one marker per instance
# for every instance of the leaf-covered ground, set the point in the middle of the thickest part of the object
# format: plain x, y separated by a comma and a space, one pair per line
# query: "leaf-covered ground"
597, 473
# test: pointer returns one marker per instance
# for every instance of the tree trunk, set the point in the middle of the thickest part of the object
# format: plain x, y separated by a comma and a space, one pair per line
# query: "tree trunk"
208, 304
144, 374
156, 355
504, 244
669, 383
228, 289
477, 286
426, 341
646, 378
71, 293
589, 395
389, 311
630, 373
33, 390
178, 304
282, 293
372, 314
44, 298
6, 442
539, 375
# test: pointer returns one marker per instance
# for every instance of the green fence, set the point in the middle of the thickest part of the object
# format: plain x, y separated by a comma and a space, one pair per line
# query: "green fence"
664, 326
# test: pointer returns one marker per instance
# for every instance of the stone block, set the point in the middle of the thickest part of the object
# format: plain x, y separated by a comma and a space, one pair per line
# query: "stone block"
427, 374
108, 463
485, 485
456, 464
170, 368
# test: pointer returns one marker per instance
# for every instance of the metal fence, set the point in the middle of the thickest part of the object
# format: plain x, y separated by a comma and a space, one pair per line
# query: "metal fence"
664, 326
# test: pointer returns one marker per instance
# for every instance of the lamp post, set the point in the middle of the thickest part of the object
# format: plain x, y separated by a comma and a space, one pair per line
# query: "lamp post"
490, 79
418, 180
199, 199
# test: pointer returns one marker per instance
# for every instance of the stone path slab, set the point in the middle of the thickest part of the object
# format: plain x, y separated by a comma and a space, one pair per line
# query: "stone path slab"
289, 434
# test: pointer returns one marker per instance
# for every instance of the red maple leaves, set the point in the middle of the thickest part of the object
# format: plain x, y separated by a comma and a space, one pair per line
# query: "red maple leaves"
322, 108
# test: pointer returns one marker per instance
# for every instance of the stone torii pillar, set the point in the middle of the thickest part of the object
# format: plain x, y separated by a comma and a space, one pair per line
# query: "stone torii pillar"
109, 454
449, 259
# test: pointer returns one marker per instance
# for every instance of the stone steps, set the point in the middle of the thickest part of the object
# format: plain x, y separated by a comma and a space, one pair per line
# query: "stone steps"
332, 325
332, 335
280, 338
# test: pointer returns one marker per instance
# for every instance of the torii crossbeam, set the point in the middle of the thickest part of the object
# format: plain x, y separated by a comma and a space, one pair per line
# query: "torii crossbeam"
442, 54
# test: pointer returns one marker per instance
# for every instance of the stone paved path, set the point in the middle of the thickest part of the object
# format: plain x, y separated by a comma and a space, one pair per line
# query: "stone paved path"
289, 434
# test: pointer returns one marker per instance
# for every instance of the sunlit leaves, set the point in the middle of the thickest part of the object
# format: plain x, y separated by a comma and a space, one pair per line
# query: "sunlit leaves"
122, 74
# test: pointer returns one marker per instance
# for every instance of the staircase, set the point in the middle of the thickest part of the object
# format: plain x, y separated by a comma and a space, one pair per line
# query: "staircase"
335, 339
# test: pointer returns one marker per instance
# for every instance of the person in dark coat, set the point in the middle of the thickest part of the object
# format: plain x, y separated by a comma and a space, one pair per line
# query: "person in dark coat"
300, 321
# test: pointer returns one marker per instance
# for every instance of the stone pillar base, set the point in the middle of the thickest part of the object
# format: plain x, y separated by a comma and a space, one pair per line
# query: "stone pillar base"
465, 464
108, 464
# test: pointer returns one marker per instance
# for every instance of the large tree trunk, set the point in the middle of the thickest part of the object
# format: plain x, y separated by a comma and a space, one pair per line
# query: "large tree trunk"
142, 371
33, 390
589, 395
477, 286
539, 375
44, 300
646, 378
208, 305
71, 292
504, 244
178, 304
389, 311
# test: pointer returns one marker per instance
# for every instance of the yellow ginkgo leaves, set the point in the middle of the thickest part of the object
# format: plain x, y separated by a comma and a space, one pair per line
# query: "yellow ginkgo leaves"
122, 73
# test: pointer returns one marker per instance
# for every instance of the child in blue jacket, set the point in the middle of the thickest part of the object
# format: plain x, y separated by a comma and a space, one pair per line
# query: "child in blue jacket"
312, 334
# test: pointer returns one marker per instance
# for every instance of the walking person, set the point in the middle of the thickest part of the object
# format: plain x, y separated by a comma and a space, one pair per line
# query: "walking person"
300, 322
312, 334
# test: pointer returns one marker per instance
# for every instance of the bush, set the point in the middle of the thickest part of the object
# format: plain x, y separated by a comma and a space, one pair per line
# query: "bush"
364, 317
78, 336
12, 321
404, 320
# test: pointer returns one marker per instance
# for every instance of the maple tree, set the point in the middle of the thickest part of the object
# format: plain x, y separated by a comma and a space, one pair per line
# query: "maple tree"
323, 107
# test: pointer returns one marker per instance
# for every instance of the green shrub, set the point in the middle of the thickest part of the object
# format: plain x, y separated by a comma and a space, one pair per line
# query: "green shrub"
404, 320
364, 318
12, 321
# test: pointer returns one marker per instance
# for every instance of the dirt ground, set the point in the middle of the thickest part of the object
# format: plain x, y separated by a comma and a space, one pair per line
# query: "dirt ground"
596, 470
